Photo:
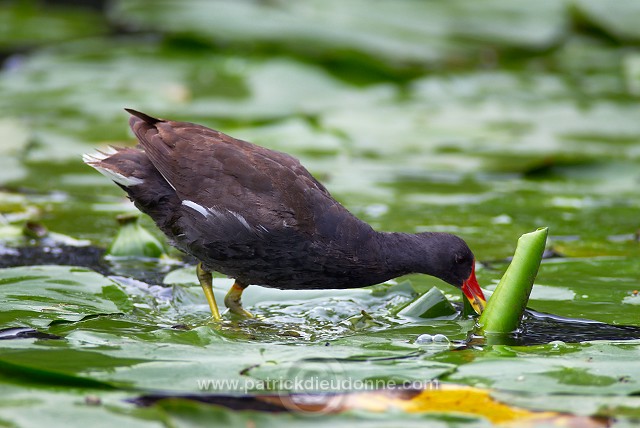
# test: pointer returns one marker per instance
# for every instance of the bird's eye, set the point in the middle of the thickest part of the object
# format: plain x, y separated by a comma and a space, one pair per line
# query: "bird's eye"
460, 259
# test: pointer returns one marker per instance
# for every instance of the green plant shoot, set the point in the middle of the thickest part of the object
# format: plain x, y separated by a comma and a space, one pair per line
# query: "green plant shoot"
507, 303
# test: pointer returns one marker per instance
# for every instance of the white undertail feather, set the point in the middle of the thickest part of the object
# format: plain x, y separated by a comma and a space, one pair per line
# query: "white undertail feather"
94, 160
91, 158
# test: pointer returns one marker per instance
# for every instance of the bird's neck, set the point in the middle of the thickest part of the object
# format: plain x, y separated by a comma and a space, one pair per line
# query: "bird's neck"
406, 253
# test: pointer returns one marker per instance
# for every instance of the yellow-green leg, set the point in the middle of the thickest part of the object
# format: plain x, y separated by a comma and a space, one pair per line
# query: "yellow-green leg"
233, 302
206, 282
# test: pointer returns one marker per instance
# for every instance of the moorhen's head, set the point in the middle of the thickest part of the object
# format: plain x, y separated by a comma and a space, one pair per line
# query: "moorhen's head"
450, 259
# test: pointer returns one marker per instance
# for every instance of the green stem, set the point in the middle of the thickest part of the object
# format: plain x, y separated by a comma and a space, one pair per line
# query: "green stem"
507, 303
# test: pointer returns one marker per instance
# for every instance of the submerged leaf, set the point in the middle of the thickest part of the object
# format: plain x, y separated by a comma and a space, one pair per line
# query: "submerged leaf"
361, 321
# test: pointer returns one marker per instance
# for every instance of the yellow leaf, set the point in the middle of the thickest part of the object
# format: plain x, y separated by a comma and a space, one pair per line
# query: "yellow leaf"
440, 398
444, 399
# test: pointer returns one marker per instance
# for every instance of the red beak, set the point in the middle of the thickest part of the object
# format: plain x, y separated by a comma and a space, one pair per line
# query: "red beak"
472, 291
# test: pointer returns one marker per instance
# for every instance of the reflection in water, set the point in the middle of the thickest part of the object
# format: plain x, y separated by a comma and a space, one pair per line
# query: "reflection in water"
539, 328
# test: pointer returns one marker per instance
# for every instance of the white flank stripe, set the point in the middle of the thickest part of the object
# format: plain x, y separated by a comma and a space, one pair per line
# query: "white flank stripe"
240, 219
197, 207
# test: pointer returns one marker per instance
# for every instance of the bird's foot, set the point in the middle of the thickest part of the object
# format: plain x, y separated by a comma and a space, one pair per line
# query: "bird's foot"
206, 282
233, 301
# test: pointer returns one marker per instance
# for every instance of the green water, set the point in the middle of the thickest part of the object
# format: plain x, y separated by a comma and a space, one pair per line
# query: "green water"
485, 119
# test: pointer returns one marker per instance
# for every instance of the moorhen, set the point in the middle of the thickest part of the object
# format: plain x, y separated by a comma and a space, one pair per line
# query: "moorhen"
259, 216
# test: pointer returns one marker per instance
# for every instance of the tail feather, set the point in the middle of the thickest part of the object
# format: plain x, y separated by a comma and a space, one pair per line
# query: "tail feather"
132, 170
123, 166
149, 119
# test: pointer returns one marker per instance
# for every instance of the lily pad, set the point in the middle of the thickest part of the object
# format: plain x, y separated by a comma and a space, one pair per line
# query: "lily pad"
28, 23
558, 368
618, 19
34, 296
428, 31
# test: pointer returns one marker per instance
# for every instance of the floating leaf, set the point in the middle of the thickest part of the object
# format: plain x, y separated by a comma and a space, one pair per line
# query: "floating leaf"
33, 296
432, 304
26, 23
428, 31
618, 19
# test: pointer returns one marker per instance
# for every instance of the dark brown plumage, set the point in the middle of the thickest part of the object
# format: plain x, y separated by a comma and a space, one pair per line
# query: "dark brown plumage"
259, 216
